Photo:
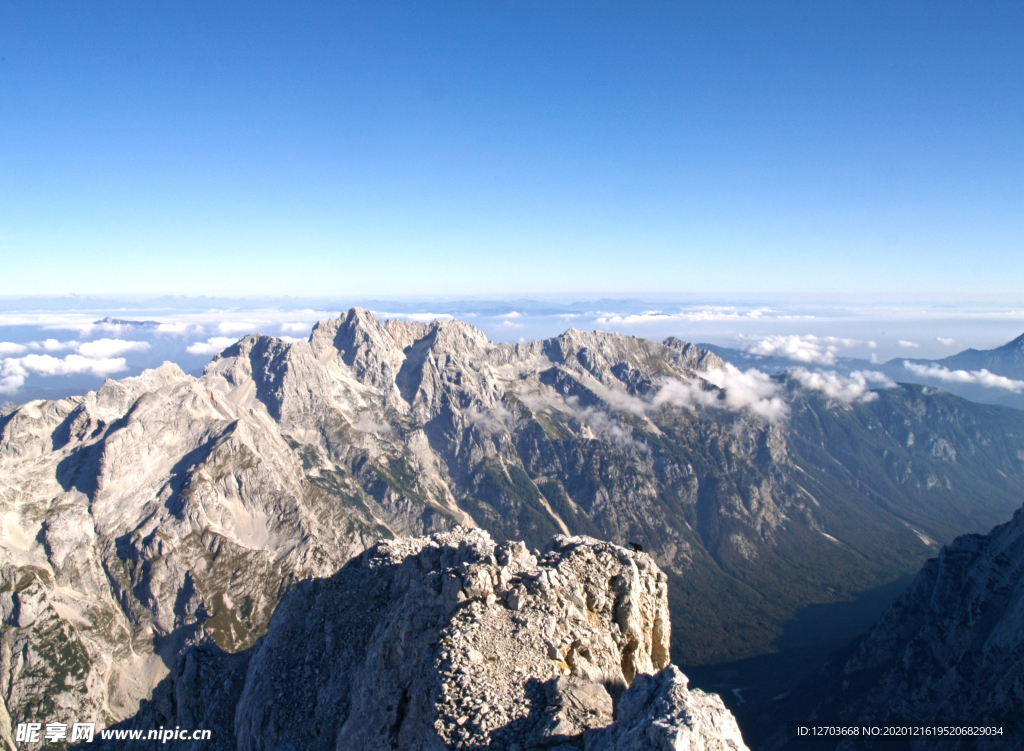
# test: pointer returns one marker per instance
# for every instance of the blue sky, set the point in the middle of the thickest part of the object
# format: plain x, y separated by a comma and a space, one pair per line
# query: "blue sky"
866, 151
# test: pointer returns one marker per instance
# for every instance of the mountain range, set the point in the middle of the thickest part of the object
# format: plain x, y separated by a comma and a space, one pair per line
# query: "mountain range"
164, 510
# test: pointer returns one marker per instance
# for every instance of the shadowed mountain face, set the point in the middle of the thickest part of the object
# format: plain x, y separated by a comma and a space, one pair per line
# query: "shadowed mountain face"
949, 651
165, 509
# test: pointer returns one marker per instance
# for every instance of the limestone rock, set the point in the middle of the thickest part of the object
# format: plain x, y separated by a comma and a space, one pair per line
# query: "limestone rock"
660, 712
404, 649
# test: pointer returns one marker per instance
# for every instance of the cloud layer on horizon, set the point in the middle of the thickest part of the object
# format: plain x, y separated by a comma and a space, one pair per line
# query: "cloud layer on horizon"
981, 377
717, 313
14, 370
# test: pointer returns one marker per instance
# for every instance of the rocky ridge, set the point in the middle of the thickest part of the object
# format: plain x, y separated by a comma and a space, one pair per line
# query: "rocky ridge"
454, 641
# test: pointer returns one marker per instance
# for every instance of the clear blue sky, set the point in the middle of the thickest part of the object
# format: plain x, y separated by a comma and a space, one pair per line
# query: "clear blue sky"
859, 149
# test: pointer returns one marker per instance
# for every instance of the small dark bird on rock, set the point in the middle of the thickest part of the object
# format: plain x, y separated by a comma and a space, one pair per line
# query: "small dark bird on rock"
635, 546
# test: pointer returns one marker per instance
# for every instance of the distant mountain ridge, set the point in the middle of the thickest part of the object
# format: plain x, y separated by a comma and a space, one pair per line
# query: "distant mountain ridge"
108, 321
1006, 361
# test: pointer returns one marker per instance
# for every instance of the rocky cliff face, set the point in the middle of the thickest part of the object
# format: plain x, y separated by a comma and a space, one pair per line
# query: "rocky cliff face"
453, 641
137, 517
950, 651
166, 510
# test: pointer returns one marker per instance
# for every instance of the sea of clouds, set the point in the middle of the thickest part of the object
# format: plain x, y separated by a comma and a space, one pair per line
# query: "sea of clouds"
54, 348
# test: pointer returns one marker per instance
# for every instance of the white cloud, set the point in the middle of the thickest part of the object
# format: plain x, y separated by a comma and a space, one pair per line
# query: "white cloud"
211, 346
542, 402
182, 329
907, 345
684, 394
656, 316
297, 327
52, 345
366, 424
10, 384
749, 389
620, 400
239, 327
513, 314
489, 422
14, 370
808, 349
846, 389
946, 342
598, 421
50, 365
510, 325
708, 314
602, 423
104, 348
875, 376
980, 377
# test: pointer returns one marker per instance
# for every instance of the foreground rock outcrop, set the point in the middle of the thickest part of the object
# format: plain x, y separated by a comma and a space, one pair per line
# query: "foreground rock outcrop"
454, 641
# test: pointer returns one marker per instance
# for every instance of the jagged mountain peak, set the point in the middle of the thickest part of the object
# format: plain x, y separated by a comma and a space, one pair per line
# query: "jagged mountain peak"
407, 367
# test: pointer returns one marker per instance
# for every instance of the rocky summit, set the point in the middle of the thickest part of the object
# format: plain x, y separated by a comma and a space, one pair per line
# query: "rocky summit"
454, 641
